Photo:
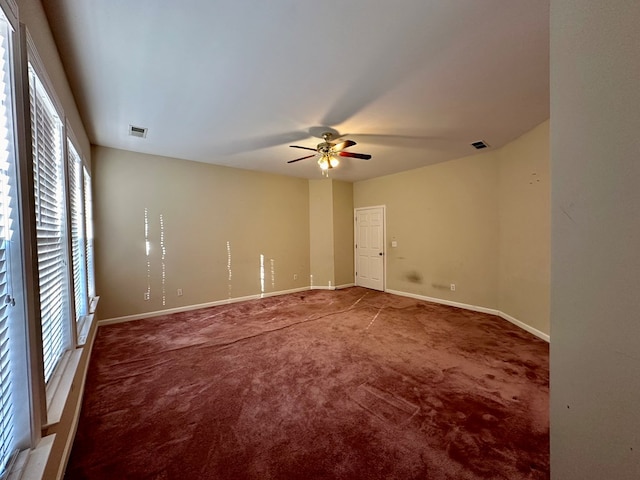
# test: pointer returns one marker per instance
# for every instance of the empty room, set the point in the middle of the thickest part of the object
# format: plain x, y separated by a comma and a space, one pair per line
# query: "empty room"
292, 240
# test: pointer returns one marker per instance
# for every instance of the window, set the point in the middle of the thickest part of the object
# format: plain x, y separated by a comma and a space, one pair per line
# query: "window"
15, 429
46, 141
88, 208
6, 391
44, 214
78, 248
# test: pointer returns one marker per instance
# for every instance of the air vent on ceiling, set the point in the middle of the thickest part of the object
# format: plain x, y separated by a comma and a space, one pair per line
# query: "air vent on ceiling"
480, 144
137, 131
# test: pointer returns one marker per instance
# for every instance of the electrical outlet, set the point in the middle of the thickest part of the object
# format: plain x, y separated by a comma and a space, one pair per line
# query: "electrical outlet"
453, 287
179, 292
295, 276
146, 296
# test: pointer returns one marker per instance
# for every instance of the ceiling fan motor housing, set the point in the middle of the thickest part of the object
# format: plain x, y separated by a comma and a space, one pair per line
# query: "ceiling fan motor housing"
324, 148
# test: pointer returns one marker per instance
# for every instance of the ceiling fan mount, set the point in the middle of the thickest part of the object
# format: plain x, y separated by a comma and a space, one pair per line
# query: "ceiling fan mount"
319, 131
326, 136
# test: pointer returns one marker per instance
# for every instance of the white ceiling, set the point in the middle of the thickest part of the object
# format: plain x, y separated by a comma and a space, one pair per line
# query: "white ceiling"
235, 82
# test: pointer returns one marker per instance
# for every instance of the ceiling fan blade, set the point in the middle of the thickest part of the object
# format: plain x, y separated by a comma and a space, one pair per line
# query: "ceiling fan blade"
342, 145
304, 148
361, 156
302, 158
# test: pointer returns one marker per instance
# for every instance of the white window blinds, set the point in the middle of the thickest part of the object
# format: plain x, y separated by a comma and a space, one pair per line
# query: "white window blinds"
14, 419
88, 209
78, 248
50, 224
6, 387
61, 229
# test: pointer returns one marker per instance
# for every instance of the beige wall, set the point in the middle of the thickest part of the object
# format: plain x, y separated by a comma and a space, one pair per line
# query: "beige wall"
343, 244
480, 222
321, 233
595, 241
444, 219
525, 223
331, 243
214, 223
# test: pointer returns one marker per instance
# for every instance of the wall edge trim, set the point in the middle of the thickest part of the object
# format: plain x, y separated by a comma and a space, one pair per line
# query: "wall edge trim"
465, 306
187, 308
333, 287
476, 308
525, 326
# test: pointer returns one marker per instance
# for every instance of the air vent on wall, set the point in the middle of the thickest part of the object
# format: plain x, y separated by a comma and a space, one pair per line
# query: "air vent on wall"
137, 131
480, 144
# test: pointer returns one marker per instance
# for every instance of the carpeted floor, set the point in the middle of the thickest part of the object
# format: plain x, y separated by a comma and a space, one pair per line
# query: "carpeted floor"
347, 384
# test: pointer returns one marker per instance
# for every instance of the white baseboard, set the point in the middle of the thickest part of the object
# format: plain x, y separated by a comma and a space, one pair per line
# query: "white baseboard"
332, 287
475, 308
526, 327
441, 301
158, 313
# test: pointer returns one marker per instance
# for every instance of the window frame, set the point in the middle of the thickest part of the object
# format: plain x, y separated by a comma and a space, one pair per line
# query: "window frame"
82, 319
34, 407
50, 177
54, 392
14, 418
44, 402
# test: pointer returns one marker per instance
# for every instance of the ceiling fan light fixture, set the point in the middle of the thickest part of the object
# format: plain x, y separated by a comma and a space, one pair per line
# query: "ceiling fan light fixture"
324, 163
328, 161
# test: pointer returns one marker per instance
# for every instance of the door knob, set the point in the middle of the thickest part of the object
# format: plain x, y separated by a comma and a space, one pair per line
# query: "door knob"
380, 253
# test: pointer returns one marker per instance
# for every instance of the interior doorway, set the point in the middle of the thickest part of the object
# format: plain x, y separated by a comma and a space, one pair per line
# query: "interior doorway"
370, 247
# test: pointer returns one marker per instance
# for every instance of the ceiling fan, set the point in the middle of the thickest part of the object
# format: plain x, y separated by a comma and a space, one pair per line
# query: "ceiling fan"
329, 152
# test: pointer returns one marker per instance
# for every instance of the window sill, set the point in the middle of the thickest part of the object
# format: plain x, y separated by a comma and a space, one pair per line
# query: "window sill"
61, 383
83, 329
93, 304
60, 386
30, 464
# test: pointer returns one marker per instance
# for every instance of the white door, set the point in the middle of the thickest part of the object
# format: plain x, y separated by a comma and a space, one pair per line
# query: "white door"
369, 240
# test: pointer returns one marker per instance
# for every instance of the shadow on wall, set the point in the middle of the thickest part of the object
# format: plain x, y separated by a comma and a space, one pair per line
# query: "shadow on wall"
414, 277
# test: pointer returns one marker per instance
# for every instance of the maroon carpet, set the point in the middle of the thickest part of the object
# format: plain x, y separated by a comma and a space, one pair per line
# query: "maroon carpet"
347, 384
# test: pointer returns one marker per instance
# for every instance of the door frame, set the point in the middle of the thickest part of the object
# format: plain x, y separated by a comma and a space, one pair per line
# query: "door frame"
384, 243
